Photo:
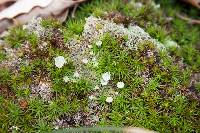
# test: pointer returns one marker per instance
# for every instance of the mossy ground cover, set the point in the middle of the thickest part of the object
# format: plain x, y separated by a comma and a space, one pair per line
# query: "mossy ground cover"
161, 87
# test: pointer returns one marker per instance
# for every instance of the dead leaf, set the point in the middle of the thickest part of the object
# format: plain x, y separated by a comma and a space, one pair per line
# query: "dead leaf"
6, 3
23, 11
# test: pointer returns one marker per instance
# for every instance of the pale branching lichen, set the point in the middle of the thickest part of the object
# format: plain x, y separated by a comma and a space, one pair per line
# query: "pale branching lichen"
43, 90
35, 26
95, 28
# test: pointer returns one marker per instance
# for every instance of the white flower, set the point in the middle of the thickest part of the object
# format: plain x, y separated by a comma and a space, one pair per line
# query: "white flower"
171, 43
155, 6
14, 128
85, 60
106, 76
103, 82
95, 118
109, 99
24, 27
94, 59
66, 79
92, 97
76, 74
99, 43
116, 93
120, 85
138, 5
60, 61
96, 87
56, 127
95, 62
91, 53
43, 46
89, 46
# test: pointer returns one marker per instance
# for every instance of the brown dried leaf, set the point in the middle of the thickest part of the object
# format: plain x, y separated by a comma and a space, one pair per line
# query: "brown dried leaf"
23, 11
6, 3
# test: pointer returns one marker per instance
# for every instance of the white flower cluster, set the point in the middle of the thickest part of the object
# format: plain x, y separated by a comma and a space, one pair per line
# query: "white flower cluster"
14, 128
95, 28
106, 77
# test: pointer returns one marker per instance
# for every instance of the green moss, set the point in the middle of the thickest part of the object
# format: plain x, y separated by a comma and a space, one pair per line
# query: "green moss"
4, 76
157, 98
157, 32
75, 26
18, 36
157, 104
198, 87
2, 56
50, 23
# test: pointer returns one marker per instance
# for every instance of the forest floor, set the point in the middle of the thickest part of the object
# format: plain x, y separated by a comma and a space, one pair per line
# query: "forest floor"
117, 63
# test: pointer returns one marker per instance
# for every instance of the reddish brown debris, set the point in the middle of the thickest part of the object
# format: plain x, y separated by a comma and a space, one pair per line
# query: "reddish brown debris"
23, 103
118, 18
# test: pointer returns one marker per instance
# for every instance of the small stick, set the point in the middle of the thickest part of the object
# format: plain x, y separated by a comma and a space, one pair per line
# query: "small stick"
74, 10
191, 21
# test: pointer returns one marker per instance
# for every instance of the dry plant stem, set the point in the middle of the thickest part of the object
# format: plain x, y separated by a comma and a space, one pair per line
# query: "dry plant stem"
63, 16
74, 10
189, 20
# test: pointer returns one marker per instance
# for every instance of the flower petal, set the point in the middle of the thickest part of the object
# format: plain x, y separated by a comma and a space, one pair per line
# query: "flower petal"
106, 76
120, 85
109, 99
60, 61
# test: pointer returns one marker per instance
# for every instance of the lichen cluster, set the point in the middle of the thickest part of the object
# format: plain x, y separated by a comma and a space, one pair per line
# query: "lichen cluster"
95, 28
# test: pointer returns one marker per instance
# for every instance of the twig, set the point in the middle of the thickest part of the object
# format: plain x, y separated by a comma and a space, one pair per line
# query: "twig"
195, 3
189, 20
